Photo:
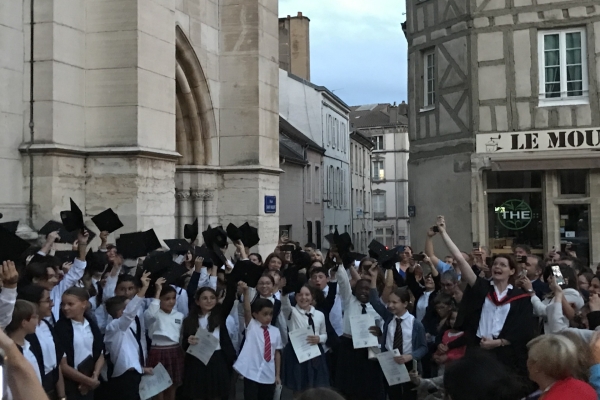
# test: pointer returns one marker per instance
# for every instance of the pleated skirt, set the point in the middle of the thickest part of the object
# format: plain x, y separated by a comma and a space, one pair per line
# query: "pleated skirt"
298, 376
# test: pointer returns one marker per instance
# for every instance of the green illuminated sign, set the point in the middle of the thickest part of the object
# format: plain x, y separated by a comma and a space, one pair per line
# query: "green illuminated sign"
514, 214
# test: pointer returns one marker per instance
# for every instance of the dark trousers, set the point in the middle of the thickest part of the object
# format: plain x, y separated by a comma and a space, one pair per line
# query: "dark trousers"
258, 391
404, 391
126, 386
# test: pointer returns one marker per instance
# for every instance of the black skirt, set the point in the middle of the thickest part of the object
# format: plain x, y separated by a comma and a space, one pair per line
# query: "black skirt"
357, 376
206, 382
310, 374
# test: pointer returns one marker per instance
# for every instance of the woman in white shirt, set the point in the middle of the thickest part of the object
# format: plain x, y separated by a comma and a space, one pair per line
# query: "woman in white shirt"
314, 372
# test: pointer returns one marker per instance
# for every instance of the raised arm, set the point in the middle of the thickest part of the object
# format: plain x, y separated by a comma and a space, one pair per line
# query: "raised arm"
75, 273
466, 271
247, 307
379, 307
429, 247
8, 295
124, 322
344, 284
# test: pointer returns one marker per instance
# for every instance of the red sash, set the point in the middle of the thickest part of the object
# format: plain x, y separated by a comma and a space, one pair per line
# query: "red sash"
506, 300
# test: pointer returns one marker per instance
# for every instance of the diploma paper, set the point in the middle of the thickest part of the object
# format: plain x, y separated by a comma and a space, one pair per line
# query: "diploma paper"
361, 337
395, 373
151, 385
207, 344
304, 350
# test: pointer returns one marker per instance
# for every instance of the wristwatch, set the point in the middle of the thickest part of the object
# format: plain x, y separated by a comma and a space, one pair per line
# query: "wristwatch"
530, 291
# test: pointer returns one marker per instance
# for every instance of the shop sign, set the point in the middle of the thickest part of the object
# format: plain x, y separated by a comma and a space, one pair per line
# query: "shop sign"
563, 139
514, 214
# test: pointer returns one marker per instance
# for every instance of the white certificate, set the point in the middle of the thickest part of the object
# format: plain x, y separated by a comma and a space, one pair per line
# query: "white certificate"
207, 344
151, 385
395, 373
304, 350
361, 337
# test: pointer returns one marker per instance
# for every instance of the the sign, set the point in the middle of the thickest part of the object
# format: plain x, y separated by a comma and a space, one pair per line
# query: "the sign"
559, 139
270, 204
514, 214
412, 211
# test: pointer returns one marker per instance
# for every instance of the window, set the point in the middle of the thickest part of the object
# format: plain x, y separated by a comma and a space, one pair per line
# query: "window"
333, 132
573, 182
317, 183
318, 234
308, 183
328, 128
336, 188
378, 172
330, 186
429, 78
378, 141
379, 206
309, 232
563, 69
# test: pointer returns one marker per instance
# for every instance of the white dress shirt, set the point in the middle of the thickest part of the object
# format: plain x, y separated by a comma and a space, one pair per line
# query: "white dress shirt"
8, 298
407, 329
164, 329
203, 322
181, 301
351, 304
422, 304
102, 317
83, 341
29, 356
493, 317
42, 331
297, 318
281, 324
336, 316
120, 340
68, 281
251, 363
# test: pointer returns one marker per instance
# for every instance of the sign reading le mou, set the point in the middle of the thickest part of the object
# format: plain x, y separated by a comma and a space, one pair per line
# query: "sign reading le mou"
559, 139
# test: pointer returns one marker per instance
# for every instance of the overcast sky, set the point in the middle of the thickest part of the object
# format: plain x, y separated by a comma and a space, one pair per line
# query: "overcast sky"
358, 49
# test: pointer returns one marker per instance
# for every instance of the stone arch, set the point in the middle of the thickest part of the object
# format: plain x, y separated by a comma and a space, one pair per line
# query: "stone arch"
195, 118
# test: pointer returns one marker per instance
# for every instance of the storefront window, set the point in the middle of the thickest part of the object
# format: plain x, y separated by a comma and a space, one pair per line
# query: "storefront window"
514, 180
574, 229
573, 182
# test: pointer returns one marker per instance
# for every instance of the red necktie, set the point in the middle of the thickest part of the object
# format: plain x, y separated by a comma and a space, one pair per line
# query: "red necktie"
267, 343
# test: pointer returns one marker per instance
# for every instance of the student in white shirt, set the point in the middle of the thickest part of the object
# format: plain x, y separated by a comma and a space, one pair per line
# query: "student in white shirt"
312, 373
8, 294
164, 328
81, 340
123, 341
43, 341
260, 359
24, 322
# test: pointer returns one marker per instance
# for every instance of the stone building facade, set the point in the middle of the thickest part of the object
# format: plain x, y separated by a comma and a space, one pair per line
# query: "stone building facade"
164, 110
361, 149
386, 125
504, 121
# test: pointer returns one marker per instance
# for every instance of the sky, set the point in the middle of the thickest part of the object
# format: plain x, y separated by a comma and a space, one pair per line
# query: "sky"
358, 49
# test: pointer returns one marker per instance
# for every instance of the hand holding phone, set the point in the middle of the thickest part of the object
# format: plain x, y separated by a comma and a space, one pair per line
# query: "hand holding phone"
560, 280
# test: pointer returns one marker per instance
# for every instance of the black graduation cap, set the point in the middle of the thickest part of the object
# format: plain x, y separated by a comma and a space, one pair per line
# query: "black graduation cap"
191, 231
65, 236
157, 263
65, 256
11, 246
250, 236
301, 259
173, 272
246, 271
137, 244
178, 246
206, 254
10, 226
293, 283
234, 233
343, 243
387, 259
216, 236
376, 248
72, 219
332, 237
356, 256
94, 263
107, 221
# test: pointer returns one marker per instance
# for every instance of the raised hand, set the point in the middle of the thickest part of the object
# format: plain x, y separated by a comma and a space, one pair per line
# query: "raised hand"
9, 275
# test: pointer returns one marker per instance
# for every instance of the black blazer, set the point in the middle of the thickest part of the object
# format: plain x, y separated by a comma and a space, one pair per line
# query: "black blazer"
36, 348
64, 334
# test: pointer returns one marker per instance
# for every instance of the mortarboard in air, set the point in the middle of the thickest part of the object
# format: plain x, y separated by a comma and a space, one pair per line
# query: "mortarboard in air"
376, 248
343, 243
65, 255
173, 272
10, 226
94, 262
246, 271
137, 244
216, 236
190, 231
178, 246
65, 236
332, 237
206, 254
72, 219
301, 259
157, 263
107, 221
233, 233
387, 259
250, 236
11, 246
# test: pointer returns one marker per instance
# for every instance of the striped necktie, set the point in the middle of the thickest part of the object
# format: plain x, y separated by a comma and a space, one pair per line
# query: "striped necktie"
267, 343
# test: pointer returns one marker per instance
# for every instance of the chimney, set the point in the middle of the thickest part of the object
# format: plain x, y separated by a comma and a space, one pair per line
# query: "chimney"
403, 108
294, 45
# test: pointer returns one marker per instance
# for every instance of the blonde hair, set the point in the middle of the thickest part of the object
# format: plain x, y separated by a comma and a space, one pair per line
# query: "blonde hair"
554, 355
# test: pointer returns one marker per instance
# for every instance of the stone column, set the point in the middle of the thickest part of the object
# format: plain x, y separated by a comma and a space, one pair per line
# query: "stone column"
183, 197
208, 197
198, 206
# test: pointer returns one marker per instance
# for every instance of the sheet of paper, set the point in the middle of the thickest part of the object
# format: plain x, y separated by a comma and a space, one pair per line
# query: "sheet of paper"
395, 373
151, 385
361, 337
207, 344
304, 351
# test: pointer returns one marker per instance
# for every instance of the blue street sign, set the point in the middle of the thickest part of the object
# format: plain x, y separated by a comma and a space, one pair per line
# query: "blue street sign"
270, 204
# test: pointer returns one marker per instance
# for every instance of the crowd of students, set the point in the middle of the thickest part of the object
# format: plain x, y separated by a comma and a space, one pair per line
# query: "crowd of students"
466, 327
